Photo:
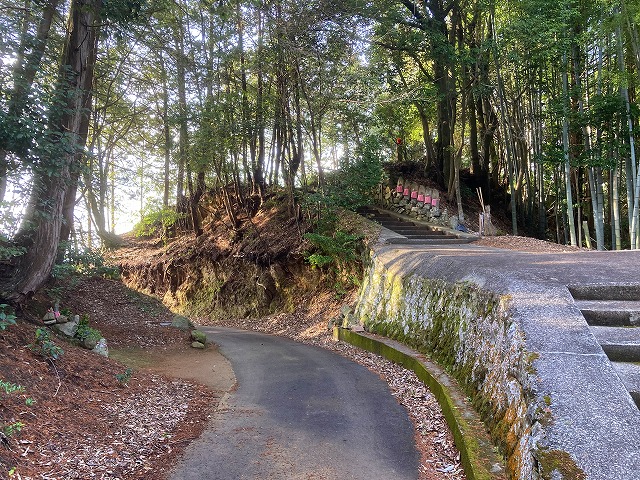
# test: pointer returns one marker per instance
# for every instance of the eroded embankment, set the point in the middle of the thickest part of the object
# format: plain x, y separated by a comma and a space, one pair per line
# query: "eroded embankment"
503, 323
256, 270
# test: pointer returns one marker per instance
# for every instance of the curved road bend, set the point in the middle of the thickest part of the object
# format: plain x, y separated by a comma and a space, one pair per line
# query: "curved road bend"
300, 412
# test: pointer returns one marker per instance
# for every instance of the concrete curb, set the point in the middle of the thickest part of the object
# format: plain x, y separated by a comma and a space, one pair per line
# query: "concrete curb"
477, 453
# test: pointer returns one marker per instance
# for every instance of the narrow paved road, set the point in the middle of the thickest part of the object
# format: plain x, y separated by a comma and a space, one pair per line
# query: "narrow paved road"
300, 412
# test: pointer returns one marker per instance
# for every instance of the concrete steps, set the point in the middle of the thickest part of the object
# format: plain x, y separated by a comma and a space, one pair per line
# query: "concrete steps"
629, 373
411, 233
613, 315
621, 344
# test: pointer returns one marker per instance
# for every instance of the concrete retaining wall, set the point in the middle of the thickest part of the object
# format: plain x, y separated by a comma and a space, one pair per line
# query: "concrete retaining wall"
505, 324
469, 331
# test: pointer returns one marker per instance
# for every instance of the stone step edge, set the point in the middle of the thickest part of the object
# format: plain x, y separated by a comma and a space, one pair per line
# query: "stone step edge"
604, 292
611, 318
427, 241
631, 384
477, 453
470, 236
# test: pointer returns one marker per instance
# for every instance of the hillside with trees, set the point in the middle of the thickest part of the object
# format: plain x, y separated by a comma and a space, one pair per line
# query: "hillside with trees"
120, 110
237, 134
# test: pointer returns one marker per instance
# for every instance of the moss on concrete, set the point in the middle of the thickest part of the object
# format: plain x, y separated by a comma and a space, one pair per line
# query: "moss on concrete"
469, 332
558, 465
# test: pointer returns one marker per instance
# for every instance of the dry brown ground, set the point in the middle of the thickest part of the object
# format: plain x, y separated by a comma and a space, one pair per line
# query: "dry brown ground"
84, 424
81, 422
525, 244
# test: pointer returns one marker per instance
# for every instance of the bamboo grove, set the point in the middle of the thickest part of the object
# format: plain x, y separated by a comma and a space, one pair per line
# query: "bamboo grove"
109, 103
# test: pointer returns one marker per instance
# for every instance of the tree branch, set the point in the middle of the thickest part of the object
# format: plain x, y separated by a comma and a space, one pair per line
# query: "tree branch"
413, 8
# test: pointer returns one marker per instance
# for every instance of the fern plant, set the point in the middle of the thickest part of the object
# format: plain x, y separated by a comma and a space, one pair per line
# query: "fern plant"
6, 318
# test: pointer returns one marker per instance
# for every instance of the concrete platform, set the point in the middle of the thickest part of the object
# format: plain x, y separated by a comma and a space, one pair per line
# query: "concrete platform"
594, 417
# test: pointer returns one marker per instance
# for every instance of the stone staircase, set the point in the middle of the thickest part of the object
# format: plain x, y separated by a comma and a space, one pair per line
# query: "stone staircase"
613, 314
411, 232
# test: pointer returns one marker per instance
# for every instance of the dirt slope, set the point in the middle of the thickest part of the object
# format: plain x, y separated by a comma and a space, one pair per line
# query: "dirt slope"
78, 420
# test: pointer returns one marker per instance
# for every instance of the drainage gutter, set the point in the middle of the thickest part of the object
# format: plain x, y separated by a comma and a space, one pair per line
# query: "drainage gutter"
477, 454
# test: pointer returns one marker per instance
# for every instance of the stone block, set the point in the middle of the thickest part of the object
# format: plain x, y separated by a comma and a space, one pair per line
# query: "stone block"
182, 323
101, 348
68, 329
199, 336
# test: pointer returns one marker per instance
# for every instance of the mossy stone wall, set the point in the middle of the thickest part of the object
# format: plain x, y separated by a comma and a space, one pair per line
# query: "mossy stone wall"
469, 332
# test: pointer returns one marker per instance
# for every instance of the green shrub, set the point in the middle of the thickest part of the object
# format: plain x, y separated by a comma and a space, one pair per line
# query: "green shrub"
157, 222
9, 222
350, 187
123, 378
44, 346
11, 429
6, 319
317, 260
87, 262
339, 249
85, 332
9, 387
8, 251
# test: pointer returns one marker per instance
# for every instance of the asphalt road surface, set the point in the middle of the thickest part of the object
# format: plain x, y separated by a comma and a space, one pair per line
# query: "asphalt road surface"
300, 412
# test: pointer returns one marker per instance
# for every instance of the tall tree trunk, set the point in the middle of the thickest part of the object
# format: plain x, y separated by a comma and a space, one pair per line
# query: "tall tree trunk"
166, 133
436, 24
633, 180
183, 140
615, 204
565, 144
595, 173
41, 228
506, 128
258, 137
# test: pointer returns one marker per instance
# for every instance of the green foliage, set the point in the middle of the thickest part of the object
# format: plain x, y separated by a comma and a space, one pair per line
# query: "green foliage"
123, 378
353, 185
11, 429
317, 260
8, 252
9, 387
350, 187
87, 262
6, 319
55, 292
85, 332
44, 346
157, 223
9, 221
123, 11
339, 250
